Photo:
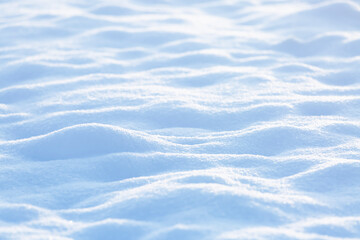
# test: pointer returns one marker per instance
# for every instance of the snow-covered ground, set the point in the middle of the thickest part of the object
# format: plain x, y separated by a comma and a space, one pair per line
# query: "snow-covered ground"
179, 119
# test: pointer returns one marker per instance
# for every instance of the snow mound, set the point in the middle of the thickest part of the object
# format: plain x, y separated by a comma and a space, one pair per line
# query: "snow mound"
84, 140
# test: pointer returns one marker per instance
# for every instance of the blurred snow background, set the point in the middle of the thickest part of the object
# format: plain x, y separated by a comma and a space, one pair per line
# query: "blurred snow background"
178, 119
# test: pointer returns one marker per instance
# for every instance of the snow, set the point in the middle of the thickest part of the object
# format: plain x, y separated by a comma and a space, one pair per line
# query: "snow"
178, 119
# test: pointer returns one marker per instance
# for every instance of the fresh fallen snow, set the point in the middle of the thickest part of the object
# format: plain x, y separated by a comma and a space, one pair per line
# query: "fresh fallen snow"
179, 119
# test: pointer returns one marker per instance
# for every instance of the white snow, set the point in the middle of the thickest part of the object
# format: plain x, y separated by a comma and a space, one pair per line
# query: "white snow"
179, 119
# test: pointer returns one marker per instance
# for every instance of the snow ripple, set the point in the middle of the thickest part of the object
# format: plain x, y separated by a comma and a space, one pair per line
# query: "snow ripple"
179, 119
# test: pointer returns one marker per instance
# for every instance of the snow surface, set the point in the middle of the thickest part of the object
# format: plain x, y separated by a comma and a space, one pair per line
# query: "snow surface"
179, 119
